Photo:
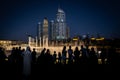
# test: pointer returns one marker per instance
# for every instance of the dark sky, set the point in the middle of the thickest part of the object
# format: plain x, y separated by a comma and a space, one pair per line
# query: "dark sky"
18, 17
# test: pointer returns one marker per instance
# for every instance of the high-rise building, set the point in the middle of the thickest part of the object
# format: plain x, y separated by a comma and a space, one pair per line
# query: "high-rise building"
57, 30
39, 33
39, 30
45, 32
52, 29
45, 27
60, 24
42, 32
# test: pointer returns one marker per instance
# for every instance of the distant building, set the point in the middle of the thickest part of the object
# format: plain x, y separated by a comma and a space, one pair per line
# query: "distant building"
5, 43
39, 33
42, 33
9, 44
45, 32
45, 28
52, 30
39, 30
60, 24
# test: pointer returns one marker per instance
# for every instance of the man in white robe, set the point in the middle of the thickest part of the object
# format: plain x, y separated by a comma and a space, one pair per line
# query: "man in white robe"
27, 62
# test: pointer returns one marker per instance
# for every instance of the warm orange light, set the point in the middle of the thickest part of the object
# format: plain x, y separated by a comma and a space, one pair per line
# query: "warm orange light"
75, 39
92, 38
102, 38
98, 39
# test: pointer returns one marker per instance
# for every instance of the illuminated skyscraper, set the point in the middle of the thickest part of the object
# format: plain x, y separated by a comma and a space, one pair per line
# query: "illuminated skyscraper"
45, 28
57, 30
52, 30
60, 24
39, 30
39, 33
45, 32
42, 32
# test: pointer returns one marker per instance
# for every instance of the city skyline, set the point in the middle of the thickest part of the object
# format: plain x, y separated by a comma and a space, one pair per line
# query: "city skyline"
19, 18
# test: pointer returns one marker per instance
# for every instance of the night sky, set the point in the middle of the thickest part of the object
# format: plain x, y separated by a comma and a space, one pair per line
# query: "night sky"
20, 17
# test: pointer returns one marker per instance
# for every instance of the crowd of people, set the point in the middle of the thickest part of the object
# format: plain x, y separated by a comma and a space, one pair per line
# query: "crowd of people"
27, 63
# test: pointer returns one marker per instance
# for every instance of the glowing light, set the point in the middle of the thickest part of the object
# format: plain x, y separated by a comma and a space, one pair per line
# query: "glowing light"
98, 39
6, 59
92, 38
75, 39
99, 52
99, 61
60, 10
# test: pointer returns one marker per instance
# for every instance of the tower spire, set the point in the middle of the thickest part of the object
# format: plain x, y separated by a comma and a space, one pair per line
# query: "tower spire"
58, 4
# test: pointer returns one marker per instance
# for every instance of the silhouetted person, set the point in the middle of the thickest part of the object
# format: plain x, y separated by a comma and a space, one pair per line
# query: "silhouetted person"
48, 58
2, 56
34, 56
41, 57
103, 55
70, 55
40, 64
27, 60
59, 58
76, 55
54, 57
5, 68
19, 62
93, 57
113, 57
12, 56
84, 55
64, 52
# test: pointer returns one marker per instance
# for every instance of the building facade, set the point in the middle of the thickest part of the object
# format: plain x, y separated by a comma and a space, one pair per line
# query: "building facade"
60, 24
45, 32
39, 33
42, 33
45, 28
52, 29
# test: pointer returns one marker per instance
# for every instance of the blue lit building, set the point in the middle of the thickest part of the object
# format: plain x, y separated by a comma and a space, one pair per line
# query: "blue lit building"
60, 25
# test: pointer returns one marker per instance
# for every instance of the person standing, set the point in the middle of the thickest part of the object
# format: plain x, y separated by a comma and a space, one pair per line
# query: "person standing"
27, 60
